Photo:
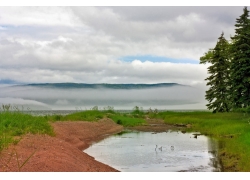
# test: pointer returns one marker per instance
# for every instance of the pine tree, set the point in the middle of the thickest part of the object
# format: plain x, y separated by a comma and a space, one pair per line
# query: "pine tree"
240, 65
218, 82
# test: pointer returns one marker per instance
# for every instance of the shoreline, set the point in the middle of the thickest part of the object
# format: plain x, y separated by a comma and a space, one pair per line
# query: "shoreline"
61, 153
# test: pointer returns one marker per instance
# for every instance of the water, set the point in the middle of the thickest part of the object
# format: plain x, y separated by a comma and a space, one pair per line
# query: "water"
175, 151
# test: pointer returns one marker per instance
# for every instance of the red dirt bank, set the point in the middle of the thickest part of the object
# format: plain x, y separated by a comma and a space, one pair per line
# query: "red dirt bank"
62, 153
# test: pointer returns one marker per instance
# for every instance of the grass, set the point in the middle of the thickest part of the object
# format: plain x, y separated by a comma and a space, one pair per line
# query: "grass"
127, 120
135, 118
218, 124
130, 119
16, 124
90, 115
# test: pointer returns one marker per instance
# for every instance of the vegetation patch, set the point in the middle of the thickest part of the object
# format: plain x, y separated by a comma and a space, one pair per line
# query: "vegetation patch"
90, 115
127, 121
16, 124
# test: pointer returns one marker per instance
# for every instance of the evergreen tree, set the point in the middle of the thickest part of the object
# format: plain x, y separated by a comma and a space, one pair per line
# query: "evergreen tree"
240, 65
218, 82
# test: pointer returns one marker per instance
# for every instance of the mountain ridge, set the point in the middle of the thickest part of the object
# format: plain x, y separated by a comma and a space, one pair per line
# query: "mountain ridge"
103, 85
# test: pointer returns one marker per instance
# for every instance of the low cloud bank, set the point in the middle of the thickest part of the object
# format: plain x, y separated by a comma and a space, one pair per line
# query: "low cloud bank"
181, 97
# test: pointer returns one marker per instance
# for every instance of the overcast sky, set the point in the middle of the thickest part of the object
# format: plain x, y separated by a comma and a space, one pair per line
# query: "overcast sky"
93, 44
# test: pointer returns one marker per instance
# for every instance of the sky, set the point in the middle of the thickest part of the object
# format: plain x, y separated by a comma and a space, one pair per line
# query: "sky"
110, 44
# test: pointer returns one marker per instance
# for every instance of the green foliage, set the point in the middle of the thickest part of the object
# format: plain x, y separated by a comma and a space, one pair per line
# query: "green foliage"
5, 140
242, 110
109, 109
95, 108
218, 94
89, 115
58, 117
240, 66
138, 112
119, 121
229, 80
16, 124
206, 122
151, 111
207, 58
127, 121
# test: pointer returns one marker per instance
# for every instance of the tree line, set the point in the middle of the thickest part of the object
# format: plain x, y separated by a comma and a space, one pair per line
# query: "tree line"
229, 70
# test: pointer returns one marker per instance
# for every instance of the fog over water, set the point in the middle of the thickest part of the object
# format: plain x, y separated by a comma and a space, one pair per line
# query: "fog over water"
48, 98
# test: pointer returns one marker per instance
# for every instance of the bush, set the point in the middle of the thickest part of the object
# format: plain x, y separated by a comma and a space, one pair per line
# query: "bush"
119, 122
95, 108
109, 109
137, 110
242, 110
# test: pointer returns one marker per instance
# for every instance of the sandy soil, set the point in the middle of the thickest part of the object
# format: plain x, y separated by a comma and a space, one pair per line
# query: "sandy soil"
62, 153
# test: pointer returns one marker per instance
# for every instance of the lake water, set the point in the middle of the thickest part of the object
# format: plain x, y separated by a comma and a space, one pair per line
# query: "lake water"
157, 152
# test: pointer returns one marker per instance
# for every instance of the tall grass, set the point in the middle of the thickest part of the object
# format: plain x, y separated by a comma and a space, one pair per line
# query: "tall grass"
16, 123
89, 115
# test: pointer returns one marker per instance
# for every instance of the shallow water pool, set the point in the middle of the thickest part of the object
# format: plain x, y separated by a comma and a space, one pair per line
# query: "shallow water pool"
157, 152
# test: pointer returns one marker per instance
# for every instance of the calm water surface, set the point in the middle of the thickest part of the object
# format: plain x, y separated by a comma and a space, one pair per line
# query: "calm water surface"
157, 152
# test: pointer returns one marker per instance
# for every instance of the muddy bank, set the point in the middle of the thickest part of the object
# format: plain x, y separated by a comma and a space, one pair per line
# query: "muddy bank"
155, 125
62, 153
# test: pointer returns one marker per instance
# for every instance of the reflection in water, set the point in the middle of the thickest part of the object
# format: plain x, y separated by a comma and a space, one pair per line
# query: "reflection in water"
157, 152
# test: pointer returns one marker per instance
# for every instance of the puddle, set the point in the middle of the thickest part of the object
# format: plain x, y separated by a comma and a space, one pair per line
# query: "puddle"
157, 152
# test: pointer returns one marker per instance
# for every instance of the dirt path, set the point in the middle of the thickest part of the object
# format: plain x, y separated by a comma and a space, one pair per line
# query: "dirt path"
62, 153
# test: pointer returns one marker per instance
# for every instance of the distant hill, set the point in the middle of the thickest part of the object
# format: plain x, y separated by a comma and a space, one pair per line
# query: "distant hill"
8, 81
103, 85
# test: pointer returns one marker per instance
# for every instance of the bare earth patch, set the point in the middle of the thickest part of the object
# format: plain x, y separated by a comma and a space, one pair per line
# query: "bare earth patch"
154, 125
62, 153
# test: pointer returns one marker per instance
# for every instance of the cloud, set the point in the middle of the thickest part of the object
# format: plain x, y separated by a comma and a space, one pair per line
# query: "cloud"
113, 72
145, 23
20, 104
61, 102
86, 44
37, 16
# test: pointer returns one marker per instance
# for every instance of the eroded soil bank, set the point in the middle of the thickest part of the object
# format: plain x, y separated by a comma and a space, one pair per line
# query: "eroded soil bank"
62, 153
